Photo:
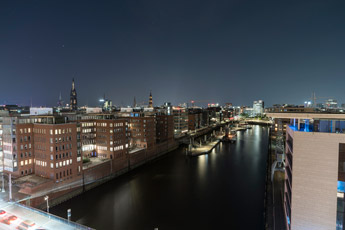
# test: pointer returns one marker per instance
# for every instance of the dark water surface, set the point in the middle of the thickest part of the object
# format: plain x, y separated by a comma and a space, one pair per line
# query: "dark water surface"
221, 190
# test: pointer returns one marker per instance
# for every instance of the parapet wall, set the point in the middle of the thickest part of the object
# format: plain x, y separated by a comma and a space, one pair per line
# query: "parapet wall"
101, 173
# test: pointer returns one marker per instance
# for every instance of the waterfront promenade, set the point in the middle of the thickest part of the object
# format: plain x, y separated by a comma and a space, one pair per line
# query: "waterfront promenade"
204, 149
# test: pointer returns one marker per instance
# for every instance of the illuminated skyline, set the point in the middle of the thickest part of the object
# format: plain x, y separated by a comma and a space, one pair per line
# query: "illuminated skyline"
222, 51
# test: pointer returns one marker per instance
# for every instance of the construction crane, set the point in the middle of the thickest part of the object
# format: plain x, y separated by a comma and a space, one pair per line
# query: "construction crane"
314, 98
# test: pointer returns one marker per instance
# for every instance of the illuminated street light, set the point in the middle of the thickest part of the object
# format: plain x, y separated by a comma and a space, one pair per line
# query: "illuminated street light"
47, 199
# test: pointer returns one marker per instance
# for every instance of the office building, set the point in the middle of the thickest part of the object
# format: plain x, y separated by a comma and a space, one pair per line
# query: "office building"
314, 170
73, 98
258, 108
180, 121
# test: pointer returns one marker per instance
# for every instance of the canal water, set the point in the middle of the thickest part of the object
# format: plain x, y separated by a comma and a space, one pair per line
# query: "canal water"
221, 190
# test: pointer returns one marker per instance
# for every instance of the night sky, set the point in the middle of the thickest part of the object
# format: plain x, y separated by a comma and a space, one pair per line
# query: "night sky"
218, 51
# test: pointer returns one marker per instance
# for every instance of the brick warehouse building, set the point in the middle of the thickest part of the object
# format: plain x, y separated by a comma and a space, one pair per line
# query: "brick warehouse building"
56, 151
44, 153
164, 128
111, 138
42, 145
142, 132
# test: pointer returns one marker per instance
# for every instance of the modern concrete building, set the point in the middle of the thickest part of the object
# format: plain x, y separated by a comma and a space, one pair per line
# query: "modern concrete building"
258, 108
180, 121
41, 111
331, 104
315, 170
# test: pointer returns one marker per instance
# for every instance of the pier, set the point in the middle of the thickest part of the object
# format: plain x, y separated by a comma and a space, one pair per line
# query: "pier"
203, 149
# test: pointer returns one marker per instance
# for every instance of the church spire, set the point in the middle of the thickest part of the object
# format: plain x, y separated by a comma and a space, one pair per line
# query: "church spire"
73, 84
150, 100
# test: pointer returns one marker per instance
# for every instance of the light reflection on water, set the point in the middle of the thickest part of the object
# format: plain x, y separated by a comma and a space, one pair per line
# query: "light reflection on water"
214, 191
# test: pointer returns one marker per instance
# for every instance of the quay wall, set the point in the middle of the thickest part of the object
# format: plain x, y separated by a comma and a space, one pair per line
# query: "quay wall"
101, 173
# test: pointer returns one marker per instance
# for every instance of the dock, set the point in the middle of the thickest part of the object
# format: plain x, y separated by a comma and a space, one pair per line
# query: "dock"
204, 149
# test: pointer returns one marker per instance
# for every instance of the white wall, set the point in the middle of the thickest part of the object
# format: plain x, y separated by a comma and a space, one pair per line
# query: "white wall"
314, 180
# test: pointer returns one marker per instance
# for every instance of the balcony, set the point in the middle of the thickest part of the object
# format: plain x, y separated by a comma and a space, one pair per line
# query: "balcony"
289, 159
290, 144
303, 128
287, 170
322, 126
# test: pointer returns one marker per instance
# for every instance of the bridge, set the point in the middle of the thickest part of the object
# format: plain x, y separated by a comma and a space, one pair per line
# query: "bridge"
14, 215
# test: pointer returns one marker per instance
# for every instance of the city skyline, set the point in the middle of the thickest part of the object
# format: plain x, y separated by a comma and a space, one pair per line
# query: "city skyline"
64, 102
226, 51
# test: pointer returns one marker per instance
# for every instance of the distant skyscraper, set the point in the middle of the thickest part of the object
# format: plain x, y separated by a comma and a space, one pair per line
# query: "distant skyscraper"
105, 104
134, 103
258, 108
60, 102
73, 103
150, 101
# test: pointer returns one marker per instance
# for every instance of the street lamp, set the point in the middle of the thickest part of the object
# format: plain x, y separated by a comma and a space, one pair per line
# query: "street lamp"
47, 199
3, 182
